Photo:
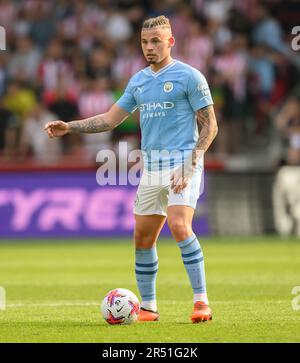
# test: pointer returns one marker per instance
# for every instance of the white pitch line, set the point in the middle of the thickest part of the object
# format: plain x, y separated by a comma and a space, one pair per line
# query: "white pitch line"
53, 304
95, 303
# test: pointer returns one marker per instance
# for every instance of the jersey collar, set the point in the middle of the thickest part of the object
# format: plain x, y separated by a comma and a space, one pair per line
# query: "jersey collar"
162, 70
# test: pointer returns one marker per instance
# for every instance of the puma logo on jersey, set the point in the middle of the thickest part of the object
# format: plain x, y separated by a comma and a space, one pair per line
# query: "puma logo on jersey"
139, 89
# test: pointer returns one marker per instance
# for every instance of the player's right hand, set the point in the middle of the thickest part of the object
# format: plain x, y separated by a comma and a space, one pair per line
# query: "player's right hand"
56, 128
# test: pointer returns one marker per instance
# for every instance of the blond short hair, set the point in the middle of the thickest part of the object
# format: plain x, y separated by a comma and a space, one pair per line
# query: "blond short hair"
158, 22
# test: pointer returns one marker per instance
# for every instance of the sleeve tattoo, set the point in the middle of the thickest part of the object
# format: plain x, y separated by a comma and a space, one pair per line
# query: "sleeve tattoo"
208, 129
90, 125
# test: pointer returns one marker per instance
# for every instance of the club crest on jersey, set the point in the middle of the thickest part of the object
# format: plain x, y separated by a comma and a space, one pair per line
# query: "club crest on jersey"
168, 86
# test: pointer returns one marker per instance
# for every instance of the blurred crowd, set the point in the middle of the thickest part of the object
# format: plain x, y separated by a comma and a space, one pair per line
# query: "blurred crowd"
71, 59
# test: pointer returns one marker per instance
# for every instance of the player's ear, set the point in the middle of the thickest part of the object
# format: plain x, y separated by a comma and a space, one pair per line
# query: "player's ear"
171, 42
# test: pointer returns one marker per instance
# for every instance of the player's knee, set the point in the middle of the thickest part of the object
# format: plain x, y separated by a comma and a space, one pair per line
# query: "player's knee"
142, 239
180, 230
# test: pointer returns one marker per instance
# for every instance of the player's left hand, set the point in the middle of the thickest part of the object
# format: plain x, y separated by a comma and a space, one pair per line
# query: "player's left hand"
181, 178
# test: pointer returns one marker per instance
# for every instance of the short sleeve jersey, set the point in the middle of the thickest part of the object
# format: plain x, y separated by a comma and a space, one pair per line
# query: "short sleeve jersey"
167, 101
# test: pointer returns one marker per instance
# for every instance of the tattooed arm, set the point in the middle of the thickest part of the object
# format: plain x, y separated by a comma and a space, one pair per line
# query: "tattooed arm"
208, 129
99, 123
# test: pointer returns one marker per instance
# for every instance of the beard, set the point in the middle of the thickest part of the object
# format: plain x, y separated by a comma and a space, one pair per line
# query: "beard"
152, 59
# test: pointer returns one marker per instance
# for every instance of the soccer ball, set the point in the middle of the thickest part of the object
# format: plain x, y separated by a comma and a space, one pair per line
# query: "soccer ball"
120, 306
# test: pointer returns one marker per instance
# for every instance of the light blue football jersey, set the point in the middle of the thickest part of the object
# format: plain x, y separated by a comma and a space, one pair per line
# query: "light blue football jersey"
167, 101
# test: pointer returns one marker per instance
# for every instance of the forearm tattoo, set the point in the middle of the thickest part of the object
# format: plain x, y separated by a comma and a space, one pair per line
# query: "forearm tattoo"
90, 125
207, 126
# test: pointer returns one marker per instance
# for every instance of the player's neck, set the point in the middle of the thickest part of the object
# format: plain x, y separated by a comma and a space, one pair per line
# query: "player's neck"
157, 67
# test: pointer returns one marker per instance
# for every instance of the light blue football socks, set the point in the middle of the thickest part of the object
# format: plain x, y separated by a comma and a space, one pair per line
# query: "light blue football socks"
146, 267
193, 260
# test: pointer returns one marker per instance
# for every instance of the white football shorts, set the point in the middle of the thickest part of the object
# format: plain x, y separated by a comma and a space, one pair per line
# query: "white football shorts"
154, 193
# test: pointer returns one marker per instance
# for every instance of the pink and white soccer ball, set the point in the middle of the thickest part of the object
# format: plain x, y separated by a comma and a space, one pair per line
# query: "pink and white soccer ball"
120, 306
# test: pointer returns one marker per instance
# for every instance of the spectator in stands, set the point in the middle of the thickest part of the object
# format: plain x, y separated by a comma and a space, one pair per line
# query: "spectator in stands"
20, 100
8, 132
96, 99
179, 19
223, 98
267, 30
25, 61
54, 68
42, 21
8, 15
262, 70
65, 107
199, 43
3, 73
117, 27
99, 64
33, 139
80, 23
128, 62
231, 64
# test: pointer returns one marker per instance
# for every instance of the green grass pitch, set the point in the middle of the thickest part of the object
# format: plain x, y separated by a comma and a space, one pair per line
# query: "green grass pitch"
54, 291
